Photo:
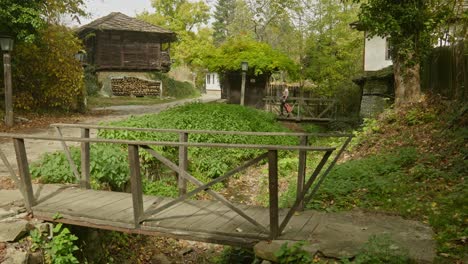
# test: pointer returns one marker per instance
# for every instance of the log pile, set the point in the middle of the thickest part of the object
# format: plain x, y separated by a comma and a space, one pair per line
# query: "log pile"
132, 86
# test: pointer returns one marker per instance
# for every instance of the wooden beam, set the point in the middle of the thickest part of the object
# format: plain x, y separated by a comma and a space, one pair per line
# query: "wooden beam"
183, 164
85, 160
343, 147
301, 172
12, 173
211, 132
165, 143
69, 156
273, 193
23, 167
244, 166
135, 181
214, 194
306, 188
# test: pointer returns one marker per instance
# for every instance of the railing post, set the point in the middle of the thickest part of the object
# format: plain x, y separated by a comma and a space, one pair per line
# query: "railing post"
25, 176
135, 181
301, 172
183, 164
273, 192
85, 160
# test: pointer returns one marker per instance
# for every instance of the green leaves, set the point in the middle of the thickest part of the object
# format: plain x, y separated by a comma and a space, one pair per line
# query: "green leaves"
207, 161
262, 58
59, 248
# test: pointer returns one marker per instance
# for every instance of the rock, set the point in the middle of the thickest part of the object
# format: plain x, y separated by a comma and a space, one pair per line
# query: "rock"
186, 251
4, 213
15, 256
266, 249
35, 258
12, 231
160, 259
344, 234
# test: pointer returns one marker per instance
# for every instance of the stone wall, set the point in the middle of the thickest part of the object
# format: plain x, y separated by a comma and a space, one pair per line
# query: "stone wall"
377, 91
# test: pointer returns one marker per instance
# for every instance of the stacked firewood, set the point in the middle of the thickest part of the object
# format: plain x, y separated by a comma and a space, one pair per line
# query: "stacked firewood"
132, 86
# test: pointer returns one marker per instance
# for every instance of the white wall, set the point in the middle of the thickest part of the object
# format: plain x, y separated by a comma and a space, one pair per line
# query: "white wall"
212, 81
374, 54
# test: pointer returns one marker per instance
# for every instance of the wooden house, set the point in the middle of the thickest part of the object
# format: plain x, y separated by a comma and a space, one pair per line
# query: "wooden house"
255, 87
120, 46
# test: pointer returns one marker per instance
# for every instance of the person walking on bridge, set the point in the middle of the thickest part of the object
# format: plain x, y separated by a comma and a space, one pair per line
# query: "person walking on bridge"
284, 97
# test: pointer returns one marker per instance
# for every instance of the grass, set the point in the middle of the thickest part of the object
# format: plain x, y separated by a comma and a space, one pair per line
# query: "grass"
97, 101
410, 162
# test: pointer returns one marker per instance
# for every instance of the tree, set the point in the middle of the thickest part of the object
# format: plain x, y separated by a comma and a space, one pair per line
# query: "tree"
333, 50
262, 58
178, 15
267, 12
46, 74
22, 19
412, 28
223, 15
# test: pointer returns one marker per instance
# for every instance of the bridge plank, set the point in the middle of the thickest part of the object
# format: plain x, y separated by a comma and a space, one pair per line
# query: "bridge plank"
76, 206
118, 206
197, 207
66, 196
207, 220
214, 210
126, 214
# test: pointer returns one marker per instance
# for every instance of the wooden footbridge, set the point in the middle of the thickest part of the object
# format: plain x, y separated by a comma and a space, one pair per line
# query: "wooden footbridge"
218, 220
304, 109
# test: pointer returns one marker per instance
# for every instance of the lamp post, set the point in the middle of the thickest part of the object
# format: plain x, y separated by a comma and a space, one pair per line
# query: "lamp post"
6, 43
244, 67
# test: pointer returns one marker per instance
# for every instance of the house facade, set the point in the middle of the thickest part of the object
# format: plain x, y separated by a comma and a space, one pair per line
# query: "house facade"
119, 46
376, 54
212, 83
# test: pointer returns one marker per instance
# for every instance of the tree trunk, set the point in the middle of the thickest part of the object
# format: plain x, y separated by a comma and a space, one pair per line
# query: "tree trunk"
407, 83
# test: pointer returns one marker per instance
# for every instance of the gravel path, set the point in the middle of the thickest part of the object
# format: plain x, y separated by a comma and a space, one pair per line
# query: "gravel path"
35, 148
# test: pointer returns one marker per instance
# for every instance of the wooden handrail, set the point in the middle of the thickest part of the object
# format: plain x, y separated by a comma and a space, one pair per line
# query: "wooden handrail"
167, 143
140, 215
213, 132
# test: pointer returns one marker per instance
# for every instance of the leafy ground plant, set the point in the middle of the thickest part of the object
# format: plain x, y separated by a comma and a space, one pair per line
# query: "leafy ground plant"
411, 162
293, 254
59, 248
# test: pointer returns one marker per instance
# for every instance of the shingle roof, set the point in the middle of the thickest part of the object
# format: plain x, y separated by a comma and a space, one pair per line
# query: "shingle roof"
121, 22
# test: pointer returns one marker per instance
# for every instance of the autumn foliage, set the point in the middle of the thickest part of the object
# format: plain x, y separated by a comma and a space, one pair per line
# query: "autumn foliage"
45, 73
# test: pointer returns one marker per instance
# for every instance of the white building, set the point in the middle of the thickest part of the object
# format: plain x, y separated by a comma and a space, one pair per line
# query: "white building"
212, 82
376, 54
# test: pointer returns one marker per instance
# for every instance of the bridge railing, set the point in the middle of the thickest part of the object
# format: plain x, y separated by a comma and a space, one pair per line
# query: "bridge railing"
140, 215
318, 109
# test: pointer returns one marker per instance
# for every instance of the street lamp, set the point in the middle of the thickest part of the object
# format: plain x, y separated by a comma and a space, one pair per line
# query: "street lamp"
244, 67
6, 43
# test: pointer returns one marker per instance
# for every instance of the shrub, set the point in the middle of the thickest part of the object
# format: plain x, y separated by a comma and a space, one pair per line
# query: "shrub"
109, 166
175, 88
58, 249
46, 74
221, 117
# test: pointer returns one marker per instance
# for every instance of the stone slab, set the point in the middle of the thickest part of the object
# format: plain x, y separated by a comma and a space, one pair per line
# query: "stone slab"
12, 231
343, 235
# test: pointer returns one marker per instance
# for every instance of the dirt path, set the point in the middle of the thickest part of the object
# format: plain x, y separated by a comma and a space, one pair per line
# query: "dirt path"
35, 148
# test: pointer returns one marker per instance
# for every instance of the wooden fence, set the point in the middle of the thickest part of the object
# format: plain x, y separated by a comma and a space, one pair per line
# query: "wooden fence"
134, 147
445, 72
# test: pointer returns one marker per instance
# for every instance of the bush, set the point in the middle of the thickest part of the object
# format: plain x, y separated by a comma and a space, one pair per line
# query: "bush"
46, 74
109, 167
221, 117
174, 88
